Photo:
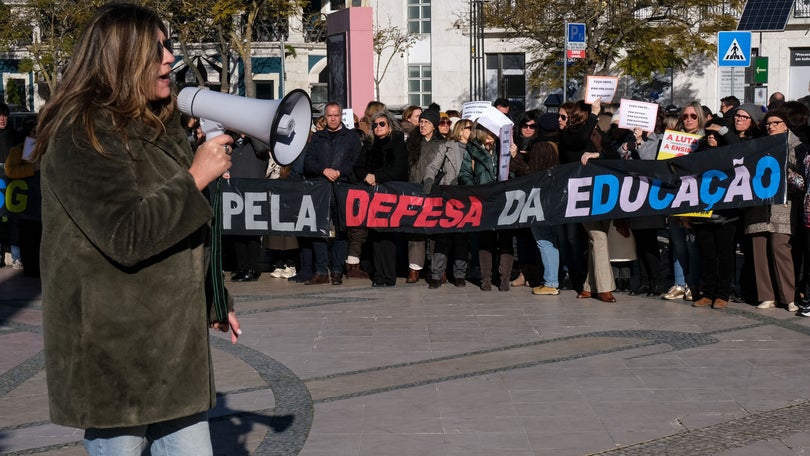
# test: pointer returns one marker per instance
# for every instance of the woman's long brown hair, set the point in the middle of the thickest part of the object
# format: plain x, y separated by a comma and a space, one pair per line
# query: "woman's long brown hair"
112, 70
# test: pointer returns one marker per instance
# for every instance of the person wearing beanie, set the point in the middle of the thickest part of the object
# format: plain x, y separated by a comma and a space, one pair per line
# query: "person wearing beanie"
423, 144
746, 121
744, 124
431, 115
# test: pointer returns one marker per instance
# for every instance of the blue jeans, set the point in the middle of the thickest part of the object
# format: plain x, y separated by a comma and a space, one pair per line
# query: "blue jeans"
546, 237
187, 436
327, 254
685, 255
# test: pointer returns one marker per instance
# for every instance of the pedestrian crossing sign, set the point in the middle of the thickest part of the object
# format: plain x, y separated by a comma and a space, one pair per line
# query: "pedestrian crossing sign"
734, 49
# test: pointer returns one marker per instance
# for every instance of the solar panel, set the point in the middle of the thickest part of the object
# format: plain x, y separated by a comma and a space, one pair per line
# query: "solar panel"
764, 15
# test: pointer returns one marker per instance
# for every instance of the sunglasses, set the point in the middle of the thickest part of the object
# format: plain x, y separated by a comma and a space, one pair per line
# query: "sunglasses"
164, 45
379, 124
773, 123
468, 127
689, 116
445, 122
563, 117
530, 126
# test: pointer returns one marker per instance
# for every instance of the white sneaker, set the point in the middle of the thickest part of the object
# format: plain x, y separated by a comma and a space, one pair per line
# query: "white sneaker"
277, 273
767, 305
288, 272
16, 264
8, 259
792, 307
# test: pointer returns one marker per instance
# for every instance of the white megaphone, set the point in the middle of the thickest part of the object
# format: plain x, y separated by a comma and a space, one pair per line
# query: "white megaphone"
281, 124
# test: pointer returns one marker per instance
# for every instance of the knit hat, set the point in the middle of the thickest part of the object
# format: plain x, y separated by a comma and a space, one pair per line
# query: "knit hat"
752, 110
549, 122
431, 115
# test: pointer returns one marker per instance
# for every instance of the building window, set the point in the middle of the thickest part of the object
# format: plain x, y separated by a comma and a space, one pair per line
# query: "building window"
507, 76
419, 16
419, 85
265, 90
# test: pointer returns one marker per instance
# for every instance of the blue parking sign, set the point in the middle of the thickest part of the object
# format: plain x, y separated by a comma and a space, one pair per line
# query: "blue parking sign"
734, 49
576, 33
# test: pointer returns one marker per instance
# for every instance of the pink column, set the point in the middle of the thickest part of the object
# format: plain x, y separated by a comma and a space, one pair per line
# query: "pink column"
357, 25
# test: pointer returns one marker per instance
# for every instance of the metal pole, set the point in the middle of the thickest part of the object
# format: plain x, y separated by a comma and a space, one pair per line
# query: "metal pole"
472, 51
565, 64
283, 71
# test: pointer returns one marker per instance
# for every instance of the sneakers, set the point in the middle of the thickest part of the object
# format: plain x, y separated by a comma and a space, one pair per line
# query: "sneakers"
546, 291
804, 311
675, 292
792, 307
283, 273
766, 305
687, 295
16, 264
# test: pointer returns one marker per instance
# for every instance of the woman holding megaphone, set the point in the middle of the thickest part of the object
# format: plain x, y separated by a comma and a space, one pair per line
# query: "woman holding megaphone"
125, 236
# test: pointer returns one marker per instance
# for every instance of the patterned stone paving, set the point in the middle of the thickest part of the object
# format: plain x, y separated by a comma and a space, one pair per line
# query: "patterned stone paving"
274, 387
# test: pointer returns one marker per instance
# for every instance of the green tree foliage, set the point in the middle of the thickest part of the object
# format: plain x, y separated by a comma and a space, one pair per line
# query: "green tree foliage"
636, 38
58, 22
250, 13
13, 95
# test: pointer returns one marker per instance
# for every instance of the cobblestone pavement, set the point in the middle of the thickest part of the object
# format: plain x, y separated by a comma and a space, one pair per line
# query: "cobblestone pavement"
355, 370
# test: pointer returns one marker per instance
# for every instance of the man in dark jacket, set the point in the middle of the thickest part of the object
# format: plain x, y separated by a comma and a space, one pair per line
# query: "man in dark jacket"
331, 154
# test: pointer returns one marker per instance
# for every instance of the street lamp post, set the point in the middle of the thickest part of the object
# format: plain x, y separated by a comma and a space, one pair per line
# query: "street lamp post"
477, 63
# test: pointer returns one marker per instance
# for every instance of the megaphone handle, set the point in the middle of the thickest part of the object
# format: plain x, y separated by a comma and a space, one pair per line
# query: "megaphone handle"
213, 129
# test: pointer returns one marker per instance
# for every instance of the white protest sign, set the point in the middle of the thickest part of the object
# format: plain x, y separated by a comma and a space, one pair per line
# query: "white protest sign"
677, 143
506, 156
28, 149
603, 87
472, 109
498, 123
348, 118
639, 114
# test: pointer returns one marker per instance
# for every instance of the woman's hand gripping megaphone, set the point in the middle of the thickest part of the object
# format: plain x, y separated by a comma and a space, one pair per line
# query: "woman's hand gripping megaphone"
213, 158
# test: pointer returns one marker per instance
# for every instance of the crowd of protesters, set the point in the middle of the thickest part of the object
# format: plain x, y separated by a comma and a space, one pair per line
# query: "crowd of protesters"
756, 255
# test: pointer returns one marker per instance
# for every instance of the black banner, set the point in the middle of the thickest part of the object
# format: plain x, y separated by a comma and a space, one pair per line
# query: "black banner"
746, 174
20, 196
261, 206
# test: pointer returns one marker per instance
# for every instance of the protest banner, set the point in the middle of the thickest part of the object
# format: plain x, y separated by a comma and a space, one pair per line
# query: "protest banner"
640, 114
600, 87
741, 175
677, 143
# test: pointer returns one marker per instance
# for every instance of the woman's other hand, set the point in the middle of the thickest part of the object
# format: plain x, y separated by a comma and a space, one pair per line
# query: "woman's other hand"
232, 324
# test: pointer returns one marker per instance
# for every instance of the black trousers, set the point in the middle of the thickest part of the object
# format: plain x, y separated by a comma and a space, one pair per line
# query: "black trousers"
716, 243
384, 256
